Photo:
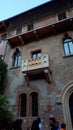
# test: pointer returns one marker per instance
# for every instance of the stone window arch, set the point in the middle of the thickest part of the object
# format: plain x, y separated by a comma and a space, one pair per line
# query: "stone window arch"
68, 45
27, 104
16, 58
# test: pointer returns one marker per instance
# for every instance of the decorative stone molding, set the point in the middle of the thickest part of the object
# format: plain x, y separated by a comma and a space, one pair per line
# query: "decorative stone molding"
26, 90
64, 99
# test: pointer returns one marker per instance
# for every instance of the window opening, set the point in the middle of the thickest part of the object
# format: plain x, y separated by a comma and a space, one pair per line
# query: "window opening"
36, 54
68, 46
30, 27
16, 58
19, 30
62, 16
34, 104
23, 105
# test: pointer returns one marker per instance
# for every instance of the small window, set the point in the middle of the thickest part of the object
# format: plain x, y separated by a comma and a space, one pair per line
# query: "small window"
19, 30
16, 58
68, 46
30, 27
36, 54
61, 16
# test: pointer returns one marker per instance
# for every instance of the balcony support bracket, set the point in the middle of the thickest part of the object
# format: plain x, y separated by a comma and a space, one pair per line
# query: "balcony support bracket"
48, 75
21, 40
26, 79
36, 35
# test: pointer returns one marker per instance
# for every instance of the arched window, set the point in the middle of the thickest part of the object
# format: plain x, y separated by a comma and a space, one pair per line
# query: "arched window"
68, 46
22, 105
16, 58
2, 57
34, 104
71, 107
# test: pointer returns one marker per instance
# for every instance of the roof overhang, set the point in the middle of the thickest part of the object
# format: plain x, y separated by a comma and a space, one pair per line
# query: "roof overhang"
42, 32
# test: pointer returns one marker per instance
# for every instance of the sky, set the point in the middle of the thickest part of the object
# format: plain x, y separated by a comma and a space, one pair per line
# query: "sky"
10, 8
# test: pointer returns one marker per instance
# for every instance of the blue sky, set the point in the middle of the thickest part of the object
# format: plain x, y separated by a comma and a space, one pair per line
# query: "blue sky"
9, 8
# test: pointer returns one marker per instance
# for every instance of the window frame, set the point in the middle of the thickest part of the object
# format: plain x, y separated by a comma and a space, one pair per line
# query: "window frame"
30, 26
67, 46
16, 59
34, 111
28, 104
18, 30
21, 113
34, 54
62, 15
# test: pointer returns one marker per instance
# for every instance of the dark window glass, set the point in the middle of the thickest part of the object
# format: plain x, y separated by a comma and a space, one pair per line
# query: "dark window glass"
36, 54
19, 30
68, 46
30, 27
62, 16
34, 104
16, 58
23, 105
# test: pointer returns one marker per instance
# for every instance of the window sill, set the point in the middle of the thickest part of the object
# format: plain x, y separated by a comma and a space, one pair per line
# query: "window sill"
67, 56
15, 67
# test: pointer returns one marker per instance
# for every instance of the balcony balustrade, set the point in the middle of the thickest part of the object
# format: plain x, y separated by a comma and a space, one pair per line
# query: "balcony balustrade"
35, 63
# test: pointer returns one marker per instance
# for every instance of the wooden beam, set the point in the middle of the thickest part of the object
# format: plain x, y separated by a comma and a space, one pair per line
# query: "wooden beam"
54, 29
21, 40
36, 35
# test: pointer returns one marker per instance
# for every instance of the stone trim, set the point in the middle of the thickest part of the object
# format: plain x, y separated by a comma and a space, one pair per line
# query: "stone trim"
64, 99
26, 90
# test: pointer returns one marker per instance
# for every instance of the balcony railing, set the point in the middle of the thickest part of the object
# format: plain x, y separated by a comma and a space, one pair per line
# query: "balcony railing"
35, 63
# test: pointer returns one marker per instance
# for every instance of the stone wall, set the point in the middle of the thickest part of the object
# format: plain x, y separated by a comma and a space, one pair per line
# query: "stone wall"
49, 94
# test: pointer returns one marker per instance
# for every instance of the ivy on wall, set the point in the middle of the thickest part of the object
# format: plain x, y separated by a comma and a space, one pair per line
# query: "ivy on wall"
3, 73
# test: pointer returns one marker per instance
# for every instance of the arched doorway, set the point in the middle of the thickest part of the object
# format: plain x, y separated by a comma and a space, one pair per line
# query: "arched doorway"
71, 107
66, 98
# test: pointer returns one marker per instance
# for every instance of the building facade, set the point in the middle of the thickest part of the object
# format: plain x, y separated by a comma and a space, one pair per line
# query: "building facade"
37, 46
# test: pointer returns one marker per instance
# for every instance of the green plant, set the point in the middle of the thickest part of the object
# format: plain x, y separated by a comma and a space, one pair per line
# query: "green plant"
4, 108
3, 72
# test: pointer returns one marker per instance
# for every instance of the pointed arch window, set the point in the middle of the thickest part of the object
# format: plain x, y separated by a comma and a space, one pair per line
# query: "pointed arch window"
22, 104
68, 46
16, 58
28, 104
34, 104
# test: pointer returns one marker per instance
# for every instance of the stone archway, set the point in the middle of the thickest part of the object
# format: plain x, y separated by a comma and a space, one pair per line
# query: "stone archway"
64, 99
71, 107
